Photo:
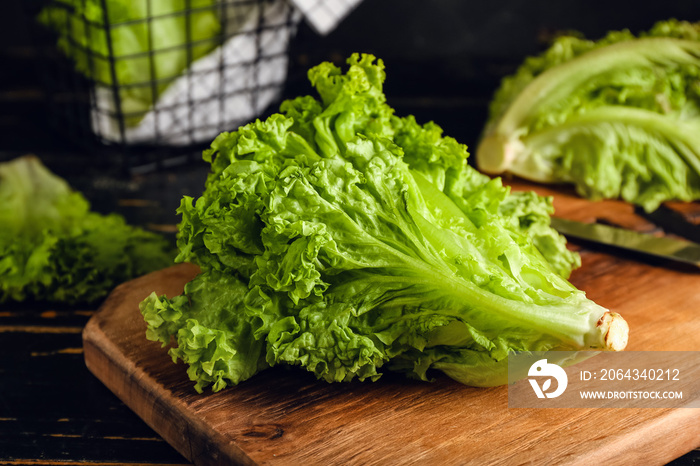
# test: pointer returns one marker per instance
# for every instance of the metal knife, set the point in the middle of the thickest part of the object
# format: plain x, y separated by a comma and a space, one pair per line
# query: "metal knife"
668, 248
671, 221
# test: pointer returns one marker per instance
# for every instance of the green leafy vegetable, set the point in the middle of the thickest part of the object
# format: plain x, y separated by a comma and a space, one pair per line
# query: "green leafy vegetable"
149, 43
341, 238
53, 248
618, 118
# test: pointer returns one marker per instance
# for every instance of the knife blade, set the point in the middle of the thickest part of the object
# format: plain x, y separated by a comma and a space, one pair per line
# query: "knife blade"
672, 222
668, 248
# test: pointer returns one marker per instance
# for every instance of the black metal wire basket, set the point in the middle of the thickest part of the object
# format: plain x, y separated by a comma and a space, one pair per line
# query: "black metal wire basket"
148, 83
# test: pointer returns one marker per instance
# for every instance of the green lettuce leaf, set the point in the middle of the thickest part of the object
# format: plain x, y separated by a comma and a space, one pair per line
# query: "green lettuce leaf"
53, 248
618, 118
338, 237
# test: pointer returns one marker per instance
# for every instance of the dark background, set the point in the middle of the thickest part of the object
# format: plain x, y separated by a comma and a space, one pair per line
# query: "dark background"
444, 59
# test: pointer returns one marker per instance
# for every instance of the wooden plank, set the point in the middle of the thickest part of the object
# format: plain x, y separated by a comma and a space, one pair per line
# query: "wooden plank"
287, 417
54, 411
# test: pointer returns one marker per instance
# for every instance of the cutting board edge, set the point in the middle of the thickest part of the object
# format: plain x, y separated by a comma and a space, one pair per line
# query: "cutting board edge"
639, 449
144, 400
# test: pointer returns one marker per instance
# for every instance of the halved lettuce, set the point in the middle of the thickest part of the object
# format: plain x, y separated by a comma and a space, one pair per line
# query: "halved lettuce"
617, 118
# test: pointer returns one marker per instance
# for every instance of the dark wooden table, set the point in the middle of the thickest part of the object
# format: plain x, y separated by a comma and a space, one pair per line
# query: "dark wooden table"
52, 410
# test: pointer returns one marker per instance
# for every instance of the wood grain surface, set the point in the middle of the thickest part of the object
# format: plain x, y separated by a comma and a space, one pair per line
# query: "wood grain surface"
286, 416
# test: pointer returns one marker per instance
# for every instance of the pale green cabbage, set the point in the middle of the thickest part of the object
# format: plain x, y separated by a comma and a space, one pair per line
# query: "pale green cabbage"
618, 118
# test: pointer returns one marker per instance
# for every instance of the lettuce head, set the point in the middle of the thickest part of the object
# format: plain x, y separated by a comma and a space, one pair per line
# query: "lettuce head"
340, 238
54, 248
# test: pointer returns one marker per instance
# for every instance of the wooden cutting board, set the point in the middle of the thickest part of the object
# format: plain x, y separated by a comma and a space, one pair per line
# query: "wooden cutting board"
285, 416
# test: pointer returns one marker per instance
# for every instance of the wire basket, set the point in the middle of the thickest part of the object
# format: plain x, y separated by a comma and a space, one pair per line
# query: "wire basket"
152, 81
